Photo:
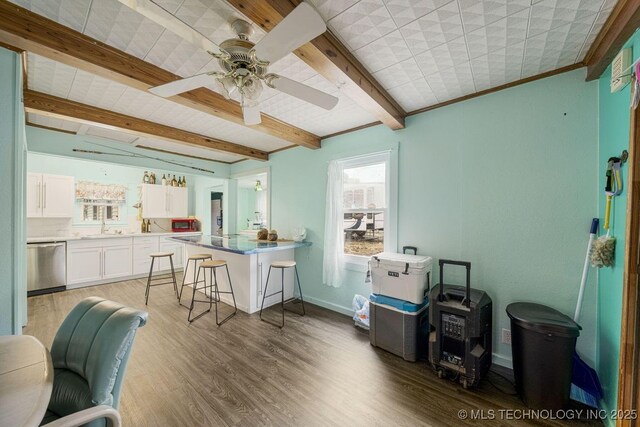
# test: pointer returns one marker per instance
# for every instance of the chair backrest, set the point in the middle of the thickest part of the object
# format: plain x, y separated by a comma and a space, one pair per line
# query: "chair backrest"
94, 342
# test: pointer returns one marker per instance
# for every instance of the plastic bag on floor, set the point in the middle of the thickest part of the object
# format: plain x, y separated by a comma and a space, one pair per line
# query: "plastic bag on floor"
361, 311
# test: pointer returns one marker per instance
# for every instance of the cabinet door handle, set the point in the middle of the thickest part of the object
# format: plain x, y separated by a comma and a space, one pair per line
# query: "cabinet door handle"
44, 197
39, 195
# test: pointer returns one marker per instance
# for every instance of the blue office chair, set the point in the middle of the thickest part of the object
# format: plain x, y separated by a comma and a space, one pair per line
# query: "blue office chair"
90, 354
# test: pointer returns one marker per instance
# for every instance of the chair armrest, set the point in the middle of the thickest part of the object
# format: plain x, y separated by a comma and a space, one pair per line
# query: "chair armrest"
87, 415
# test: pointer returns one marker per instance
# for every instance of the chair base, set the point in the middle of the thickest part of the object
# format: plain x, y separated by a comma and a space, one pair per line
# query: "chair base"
281, 292
213, 290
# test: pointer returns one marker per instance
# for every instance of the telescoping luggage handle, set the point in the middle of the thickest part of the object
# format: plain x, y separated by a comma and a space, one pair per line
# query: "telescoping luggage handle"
463, 264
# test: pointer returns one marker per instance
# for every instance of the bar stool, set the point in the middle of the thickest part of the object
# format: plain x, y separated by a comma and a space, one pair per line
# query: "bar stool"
150, 279
212, 265
282, 265
195, 258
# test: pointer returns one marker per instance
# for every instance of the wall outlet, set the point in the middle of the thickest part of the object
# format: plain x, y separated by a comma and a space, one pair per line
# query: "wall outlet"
506, 336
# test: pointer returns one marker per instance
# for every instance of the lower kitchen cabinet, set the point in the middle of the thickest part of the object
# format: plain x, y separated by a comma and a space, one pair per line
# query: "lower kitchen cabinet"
116, 261
84, 264
95, 261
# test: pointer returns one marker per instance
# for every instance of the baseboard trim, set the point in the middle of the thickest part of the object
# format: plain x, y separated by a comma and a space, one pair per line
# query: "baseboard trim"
330, 306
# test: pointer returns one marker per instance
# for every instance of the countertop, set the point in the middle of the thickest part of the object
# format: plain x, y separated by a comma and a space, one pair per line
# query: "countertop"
106, 236
243, 245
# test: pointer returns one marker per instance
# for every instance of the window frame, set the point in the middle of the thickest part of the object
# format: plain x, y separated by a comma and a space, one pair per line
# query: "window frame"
390, 159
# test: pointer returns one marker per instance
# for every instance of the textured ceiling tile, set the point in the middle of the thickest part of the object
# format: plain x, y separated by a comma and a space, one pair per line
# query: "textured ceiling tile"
174, 54
479, 13
45, 75
212, 18
117, 25
111, 134
70, 13
595, 30
93, 90
556, 48
384, 52
433, 29
53, 122
330, 8
549, 14
398, 74
137, 102
443, 56
405, 11
414, 95
452, 83
499, 34
170, 6
363, 23
293, 67
498, 67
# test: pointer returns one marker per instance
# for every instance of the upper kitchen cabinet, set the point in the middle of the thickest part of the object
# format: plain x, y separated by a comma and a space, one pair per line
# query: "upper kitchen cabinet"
162, 201
50, 196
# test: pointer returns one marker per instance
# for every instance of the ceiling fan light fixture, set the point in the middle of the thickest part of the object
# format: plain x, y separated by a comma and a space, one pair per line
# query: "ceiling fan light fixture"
251, 88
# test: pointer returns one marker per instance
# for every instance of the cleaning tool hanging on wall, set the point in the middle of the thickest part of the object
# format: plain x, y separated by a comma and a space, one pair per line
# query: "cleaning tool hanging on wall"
602, 253
585, 386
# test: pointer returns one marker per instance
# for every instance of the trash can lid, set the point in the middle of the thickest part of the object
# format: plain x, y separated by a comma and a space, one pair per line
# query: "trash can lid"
543, 319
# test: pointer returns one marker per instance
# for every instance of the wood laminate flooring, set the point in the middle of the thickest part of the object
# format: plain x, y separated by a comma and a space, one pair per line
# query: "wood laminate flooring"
319, 370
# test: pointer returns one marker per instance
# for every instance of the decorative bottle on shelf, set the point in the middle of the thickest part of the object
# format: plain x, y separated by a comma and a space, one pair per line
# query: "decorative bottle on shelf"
174, 182
148, 227
184, 181
143, 226
179, 181
152, 178
164, 179
145, 178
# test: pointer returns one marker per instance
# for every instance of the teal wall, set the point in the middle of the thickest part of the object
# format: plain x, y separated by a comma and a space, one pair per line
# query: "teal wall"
615, 119
506, 181
13, 293
113, 173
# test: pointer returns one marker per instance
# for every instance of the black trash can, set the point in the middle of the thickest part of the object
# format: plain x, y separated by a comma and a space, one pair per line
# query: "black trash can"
543, 341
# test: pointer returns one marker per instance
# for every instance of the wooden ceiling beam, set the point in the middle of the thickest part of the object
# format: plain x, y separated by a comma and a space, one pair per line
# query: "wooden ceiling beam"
623, 21
22, 29
52, 106
330, 58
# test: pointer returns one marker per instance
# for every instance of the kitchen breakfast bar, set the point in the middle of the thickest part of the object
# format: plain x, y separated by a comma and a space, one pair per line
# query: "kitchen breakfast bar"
248, 261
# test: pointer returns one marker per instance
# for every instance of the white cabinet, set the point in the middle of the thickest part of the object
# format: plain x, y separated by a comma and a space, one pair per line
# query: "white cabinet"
177, 249
162, 201
50, 196
99, 259
143, 247
84, 264
116, 261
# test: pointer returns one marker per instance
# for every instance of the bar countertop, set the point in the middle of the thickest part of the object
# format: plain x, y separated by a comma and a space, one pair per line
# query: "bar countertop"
238, 244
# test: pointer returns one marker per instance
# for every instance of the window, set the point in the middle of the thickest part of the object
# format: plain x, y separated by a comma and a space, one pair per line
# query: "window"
100, 212
366, 201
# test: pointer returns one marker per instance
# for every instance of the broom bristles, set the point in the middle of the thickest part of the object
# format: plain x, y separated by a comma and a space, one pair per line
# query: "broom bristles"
602, 251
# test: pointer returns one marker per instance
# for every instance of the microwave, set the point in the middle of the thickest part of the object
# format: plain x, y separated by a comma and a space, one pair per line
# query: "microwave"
184, 224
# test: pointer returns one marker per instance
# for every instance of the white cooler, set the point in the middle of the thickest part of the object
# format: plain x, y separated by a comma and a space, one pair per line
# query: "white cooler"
401, 276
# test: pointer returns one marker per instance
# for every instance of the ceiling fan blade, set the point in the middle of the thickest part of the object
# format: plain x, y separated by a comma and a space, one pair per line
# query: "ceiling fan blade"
303, 24
252, 115
162, 17
182, 85
304, 92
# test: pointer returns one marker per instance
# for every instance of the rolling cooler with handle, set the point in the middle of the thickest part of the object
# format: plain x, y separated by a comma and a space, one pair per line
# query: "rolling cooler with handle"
461, 322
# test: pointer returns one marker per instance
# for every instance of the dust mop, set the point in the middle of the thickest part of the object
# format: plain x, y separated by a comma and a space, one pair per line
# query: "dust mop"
602, 253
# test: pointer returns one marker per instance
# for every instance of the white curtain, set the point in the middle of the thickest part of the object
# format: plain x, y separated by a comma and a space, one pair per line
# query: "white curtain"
333, 263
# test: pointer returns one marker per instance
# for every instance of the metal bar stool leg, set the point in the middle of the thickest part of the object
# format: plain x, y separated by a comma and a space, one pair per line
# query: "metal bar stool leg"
300, 290
235, 308
146, 293
184, 276
173, 274
193, 297
282, 297
266, 285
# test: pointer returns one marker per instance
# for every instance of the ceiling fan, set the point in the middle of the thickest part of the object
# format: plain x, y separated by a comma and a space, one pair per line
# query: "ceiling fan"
244, 63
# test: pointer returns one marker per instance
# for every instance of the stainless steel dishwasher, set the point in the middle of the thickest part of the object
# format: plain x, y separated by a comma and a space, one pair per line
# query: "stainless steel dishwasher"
46, 267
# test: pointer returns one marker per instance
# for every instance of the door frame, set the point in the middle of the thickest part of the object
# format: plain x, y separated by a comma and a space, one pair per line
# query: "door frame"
629, 375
